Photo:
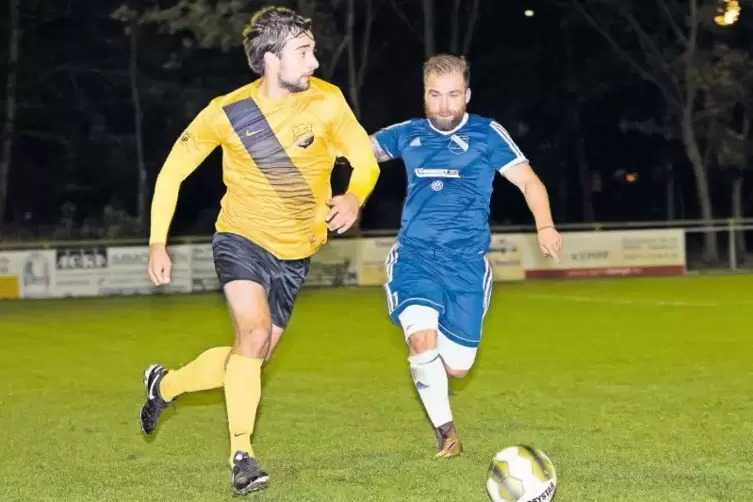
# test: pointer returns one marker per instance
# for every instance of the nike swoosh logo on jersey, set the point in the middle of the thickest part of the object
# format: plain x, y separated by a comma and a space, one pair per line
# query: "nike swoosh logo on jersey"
249, 133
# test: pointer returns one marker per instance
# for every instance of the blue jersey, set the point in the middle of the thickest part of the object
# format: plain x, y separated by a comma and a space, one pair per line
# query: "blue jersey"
450, 176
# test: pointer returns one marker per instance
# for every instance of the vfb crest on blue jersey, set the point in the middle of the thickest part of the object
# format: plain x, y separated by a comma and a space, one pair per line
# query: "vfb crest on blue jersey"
459, 143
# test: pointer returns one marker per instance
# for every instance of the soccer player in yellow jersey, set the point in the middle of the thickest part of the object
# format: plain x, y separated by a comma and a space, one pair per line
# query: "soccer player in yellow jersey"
280, 136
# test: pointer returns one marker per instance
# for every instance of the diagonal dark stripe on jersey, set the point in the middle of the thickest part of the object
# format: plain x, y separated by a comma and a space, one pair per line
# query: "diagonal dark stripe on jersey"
270, 157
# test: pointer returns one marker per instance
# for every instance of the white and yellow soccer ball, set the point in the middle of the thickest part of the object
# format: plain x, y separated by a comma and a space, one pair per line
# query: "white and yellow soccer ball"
521, 473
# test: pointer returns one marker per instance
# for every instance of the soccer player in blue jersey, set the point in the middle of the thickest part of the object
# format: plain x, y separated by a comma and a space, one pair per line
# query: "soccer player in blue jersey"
439, 282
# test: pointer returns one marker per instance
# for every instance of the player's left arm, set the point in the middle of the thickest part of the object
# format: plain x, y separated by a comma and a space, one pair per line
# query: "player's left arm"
523, 176
509, 160
353, 143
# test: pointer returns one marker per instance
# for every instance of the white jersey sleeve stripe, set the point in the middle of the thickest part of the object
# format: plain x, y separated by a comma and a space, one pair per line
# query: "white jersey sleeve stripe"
513, 162
505, 136
398, 124
519, 157
389, 154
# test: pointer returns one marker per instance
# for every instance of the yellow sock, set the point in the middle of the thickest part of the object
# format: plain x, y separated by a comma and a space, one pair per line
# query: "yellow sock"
242, 396
203, 373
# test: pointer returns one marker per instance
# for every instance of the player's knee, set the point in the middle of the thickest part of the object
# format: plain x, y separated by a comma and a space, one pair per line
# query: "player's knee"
456, 373
421, 341
420, 324
253, 341
274, 340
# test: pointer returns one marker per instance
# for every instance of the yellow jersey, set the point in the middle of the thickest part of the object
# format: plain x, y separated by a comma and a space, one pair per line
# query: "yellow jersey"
277, 160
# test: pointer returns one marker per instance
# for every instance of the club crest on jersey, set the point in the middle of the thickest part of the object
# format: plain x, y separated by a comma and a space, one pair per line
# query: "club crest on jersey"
459, 143
303, 134
437, 185
187, 140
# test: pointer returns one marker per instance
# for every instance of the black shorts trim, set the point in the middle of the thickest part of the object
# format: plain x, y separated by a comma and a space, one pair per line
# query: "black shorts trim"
239, 259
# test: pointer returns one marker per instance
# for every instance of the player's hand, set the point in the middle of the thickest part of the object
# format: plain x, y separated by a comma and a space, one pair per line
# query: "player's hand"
343, 212
160, 264
550, 242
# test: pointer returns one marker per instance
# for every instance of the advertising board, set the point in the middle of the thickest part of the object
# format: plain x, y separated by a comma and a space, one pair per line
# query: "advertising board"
605, 254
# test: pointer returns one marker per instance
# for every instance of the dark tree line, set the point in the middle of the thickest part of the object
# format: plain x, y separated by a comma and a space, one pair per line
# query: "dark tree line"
627, 112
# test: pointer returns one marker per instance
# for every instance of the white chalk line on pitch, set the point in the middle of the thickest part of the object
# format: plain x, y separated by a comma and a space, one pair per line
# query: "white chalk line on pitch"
651, 303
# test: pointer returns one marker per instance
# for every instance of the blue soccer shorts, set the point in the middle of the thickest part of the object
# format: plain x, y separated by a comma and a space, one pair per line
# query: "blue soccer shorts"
459, 289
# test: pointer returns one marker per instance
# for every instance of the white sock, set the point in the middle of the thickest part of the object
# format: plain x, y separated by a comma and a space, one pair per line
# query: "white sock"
431, 382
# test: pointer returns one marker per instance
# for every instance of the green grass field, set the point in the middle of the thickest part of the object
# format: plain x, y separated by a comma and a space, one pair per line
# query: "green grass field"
639, 390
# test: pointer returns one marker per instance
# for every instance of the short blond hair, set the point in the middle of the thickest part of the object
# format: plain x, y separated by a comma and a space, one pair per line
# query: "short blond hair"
445, 64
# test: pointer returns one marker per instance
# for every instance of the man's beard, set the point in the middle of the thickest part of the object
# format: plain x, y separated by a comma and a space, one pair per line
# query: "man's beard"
300, 85
445, 123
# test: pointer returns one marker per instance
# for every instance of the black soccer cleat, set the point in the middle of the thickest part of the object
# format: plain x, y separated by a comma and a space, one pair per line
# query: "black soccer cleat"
247, 477
152, 408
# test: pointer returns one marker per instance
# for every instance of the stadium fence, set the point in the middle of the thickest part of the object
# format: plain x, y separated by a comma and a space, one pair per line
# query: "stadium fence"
57, 269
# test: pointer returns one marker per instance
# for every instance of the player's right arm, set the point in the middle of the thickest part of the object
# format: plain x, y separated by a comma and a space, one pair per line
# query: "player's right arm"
379, 152
193, 146
509, 161
385, 143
